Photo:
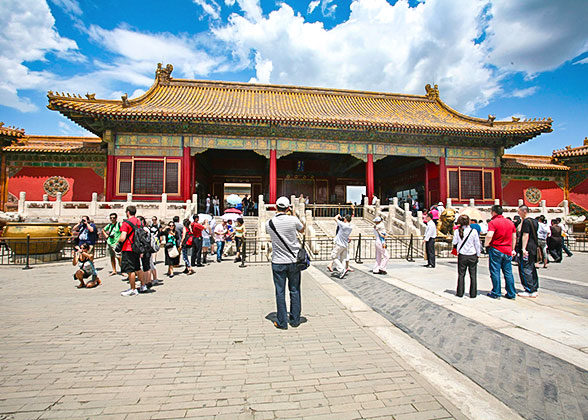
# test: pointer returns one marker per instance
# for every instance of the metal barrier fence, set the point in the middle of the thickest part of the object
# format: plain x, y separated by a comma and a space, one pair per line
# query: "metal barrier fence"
331, 210
258, 250
577, 242
31, 251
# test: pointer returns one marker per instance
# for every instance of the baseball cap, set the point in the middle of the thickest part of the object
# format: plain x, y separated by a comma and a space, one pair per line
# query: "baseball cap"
377, 219
283, 202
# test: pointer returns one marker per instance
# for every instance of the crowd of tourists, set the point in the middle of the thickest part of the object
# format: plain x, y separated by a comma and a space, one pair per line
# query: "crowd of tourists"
132, 246
523, 241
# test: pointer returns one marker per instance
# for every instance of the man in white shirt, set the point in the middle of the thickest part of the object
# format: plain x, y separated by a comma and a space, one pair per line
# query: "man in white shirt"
341, 244
282, 229
382, 255
564, 233
429, 240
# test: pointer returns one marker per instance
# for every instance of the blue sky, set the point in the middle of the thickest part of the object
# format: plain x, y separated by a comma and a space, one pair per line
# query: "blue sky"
526, 58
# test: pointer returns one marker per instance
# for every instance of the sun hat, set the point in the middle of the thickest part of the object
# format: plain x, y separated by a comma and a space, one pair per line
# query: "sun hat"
283, 203
377, 219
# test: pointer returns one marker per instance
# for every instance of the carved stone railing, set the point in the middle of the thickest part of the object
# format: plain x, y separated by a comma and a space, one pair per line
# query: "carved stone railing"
99, 211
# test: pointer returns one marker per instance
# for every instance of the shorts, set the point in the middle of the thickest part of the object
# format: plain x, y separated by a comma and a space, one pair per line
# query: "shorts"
112, 252
205, 242
339, 253
131, 262
146, 263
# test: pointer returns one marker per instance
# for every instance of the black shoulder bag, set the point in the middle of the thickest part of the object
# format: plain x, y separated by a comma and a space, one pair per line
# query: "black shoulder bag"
302, 259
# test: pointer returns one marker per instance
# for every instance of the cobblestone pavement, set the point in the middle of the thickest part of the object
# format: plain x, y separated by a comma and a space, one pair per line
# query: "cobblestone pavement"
535, 384
198, 347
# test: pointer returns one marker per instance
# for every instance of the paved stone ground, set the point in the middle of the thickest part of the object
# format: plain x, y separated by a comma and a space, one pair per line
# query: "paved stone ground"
198, 347
533, 383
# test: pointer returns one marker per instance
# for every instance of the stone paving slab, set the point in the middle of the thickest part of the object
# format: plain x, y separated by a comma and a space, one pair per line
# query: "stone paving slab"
198, 347
533, 383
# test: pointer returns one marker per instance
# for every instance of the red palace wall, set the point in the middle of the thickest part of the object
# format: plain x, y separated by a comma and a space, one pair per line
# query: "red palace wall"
514, 190
82, 182
579, 194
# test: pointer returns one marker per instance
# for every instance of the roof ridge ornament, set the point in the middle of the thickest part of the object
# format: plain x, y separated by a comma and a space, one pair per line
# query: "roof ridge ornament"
432, 92
164, 74
491, 119
91, 96
125, 100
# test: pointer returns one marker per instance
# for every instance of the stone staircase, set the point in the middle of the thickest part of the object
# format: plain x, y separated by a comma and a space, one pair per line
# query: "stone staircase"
327, 227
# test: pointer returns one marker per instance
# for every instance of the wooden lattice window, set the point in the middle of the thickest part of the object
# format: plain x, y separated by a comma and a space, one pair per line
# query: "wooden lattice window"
148, 176
464, 184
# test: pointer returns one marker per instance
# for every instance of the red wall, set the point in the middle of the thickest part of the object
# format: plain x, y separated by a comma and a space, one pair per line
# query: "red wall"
515, 189
82, 182
579, 194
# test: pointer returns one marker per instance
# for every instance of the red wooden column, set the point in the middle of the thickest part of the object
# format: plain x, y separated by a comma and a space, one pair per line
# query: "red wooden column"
273, 178
110, 177
498, 185
369, 177
186, 166
442, 181
426, 201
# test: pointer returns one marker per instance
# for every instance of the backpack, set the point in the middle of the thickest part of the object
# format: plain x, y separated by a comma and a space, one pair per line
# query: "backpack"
155, 245
141, 242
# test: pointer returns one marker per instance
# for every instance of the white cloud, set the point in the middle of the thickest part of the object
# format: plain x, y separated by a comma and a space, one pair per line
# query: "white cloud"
210, 7
68, 128
536, 35
263, 69
523, 93
381, 47
28, 34
71, 7
583, 61
313, 5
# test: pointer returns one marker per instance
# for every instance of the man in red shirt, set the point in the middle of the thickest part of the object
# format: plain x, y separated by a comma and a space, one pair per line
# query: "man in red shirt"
500, 241
196, 229
131, 261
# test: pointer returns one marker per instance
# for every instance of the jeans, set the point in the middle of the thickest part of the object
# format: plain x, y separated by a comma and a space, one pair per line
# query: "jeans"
499, 261
185, 255
196, 252
281, 272
528, 274
467, 262
220, 245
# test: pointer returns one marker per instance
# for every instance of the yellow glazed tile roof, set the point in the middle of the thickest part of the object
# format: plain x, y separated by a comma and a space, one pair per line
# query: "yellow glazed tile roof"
531, 162
56, 144
569, 151
172, 99
11, 131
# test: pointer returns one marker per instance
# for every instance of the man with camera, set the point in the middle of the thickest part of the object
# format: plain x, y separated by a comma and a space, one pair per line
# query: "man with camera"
131, 261
112, 234
87, 233
282, 229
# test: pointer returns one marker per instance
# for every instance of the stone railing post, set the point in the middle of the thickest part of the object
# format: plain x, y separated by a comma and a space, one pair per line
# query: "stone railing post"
497, 201
93, 205
449, 203
472, 202
163, 207
195, 203
566, 208
407, 219
22, 203
45, 198
543, 207
377, 208
57, 207
188, 211
395, 201
521, 202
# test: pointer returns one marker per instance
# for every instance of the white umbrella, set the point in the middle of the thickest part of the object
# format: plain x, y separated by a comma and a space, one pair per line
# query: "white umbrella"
230, 216
233, 199
202, 217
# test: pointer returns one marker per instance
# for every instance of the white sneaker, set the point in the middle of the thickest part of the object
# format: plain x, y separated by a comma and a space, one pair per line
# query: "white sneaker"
130, 292
343, 273
534, 294
143, 289
524, 294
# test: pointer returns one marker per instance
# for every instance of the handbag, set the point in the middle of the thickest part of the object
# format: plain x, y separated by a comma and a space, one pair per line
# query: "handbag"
302, 259
173, 252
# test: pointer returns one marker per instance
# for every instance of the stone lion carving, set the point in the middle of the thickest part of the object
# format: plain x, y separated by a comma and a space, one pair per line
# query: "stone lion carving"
446, 222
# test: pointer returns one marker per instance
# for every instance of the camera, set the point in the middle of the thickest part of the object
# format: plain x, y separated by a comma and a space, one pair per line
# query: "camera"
118, 247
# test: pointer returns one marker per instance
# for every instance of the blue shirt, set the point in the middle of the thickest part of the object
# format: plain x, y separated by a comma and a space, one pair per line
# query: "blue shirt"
476, 227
